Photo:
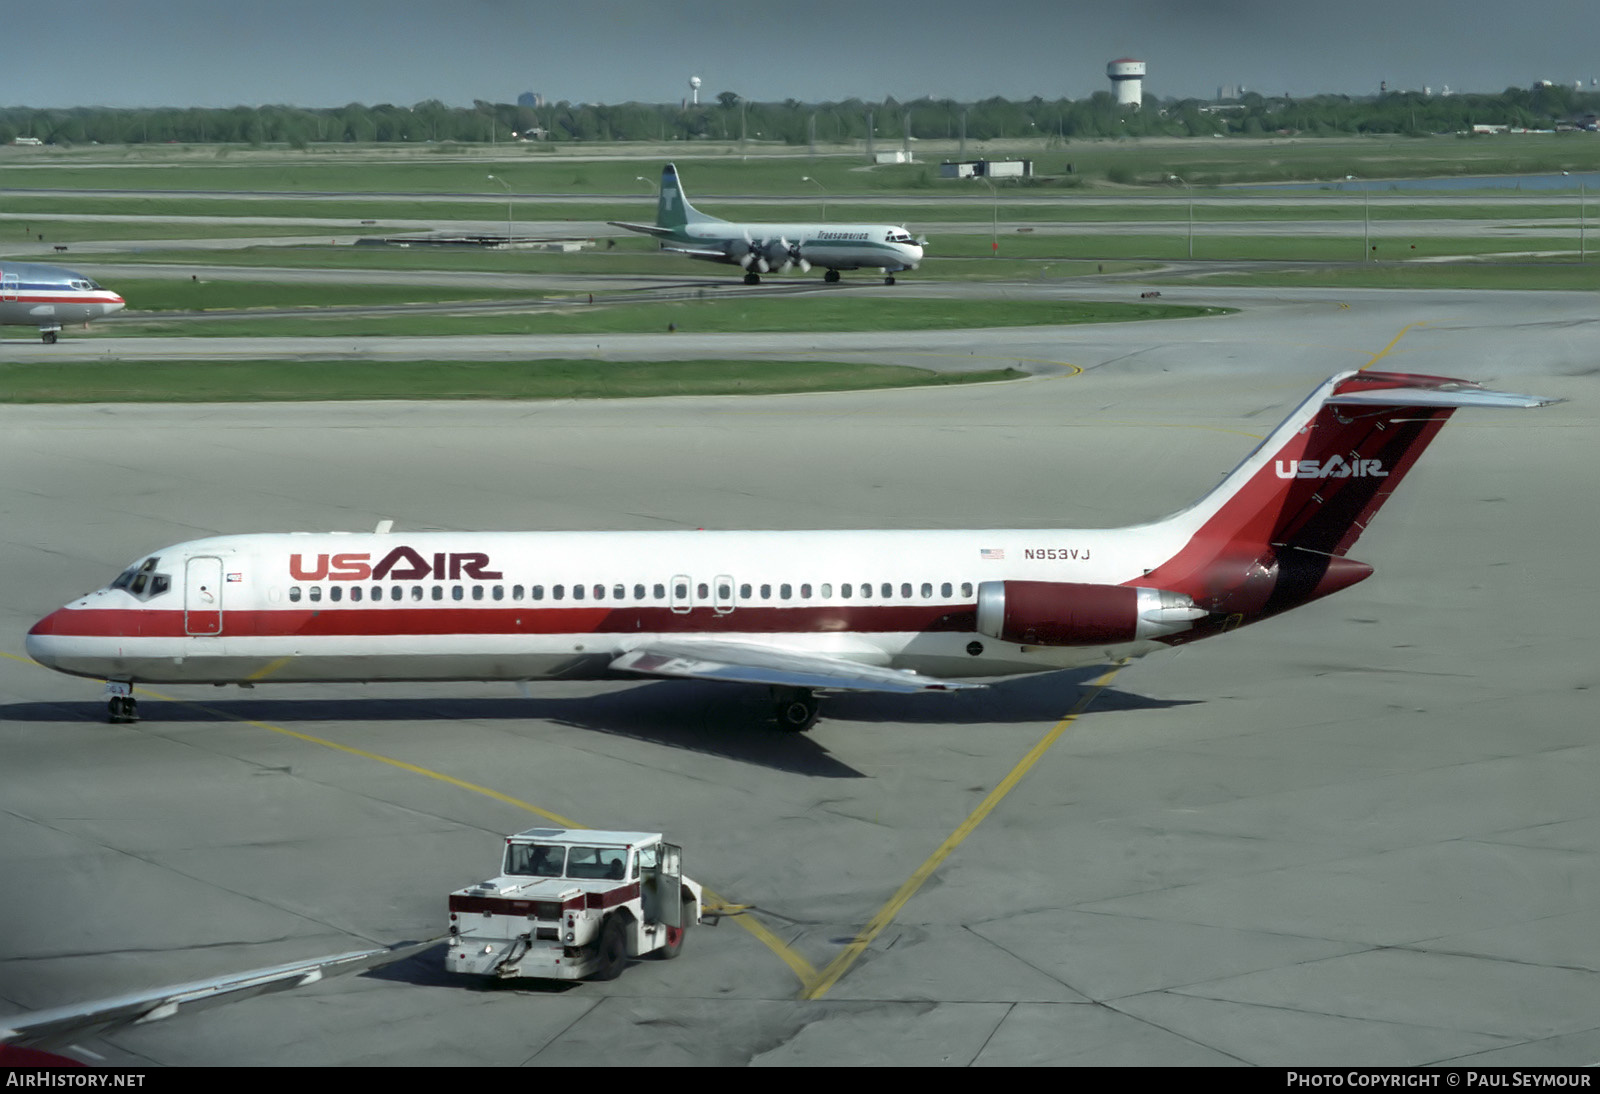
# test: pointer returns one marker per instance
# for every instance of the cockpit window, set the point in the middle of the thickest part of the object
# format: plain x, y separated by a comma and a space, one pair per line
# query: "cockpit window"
142, 580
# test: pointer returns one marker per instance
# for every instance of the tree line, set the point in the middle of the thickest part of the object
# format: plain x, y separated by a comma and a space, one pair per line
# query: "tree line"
729, 117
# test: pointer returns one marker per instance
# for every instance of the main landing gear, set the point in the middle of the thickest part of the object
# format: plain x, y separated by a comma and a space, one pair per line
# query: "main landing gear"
795, 708
49, 337
121, 709
831, 276
752, 279
888, 279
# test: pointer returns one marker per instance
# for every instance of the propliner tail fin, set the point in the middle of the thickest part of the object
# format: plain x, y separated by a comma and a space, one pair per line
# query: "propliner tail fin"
1274, 533
672, 207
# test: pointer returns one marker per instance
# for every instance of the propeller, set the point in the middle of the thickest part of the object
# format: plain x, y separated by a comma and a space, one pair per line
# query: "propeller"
793, 257
754, 256
776, 252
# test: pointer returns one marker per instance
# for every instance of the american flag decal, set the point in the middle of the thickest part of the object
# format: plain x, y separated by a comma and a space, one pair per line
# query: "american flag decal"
992, 553
235, 577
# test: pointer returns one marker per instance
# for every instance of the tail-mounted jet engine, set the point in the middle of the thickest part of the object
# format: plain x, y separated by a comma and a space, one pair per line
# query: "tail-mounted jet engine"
1058, 613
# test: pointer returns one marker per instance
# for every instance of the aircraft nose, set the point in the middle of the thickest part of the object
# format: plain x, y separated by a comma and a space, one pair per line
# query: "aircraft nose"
116, 304
41, 642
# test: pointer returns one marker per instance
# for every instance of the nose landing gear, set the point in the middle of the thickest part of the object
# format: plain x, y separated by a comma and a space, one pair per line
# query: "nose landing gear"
120, 707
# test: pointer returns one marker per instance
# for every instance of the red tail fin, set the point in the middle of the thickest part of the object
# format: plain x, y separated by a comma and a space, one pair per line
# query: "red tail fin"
1272, 536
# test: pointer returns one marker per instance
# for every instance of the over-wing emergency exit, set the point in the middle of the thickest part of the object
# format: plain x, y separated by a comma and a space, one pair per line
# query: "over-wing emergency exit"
799, 612
774, 248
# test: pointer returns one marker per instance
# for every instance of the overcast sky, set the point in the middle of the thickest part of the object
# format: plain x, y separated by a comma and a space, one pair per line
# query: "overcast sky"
332, 52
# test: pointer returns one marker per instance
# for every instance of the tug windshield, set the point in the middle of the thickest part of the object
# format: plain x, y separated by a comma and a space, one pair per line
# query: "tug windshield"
535, 859
553, 860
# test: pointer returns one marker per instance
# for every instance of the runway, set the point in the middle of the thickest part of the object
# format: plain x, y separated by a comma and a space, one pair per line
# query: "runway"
1361, 833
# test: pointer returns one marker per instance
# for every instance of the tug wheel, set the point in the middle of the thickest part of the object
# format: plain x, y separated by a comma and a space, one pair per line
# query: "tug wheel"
613, 950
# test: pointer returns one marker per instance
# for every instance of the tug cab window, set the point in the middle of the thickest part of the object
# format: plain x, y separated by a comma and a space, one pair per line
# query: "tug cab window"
535, 860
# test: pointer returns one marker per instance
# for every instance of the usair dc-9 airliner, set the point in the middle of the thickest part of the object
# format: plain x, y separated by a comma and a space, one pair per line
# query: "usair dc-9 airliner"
775, 248
798, 612
33, 295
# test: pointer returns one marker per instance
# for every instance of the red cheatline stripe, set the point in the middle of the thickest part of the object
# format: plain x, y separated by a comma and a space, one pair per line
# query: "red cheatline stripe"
375, 620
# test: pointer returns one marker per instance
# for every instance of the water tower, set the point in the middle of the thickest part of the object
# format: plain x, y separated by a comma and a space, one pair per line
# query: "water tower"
694, 90
1127, 80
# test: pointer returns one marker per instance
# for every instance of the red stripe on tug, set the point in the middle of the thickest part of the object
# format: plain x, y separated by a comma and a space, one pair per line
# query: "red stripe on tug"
1279, 540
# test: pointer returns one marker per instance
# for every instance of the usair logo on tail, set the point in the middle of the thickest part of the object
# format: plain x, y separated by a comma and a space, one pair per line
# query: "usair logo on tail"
1331, 468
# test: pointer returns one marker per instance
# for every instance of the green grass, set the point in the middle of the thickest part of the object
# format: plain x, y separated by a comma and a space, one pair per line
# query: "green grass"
745, 315
263, 381
1554, 274
711, 170
965, 206
94, 231
179, 294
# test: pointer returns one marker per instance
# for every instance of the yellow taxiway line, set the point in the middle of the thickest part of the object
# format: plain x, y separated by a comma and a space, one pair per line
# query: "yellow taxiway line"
818, 986
814, 984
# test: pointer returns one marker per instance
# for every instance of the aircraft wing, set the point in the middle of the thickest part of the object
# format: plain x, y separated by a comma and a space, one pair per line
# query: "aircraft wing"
65, 1025
736, 662
647, 229
698, 252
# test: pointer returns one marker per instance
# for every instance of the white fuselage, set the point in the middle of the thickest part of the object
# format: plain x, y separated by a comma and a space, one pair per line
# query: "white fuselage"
832, 246
531, 605
47, 297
